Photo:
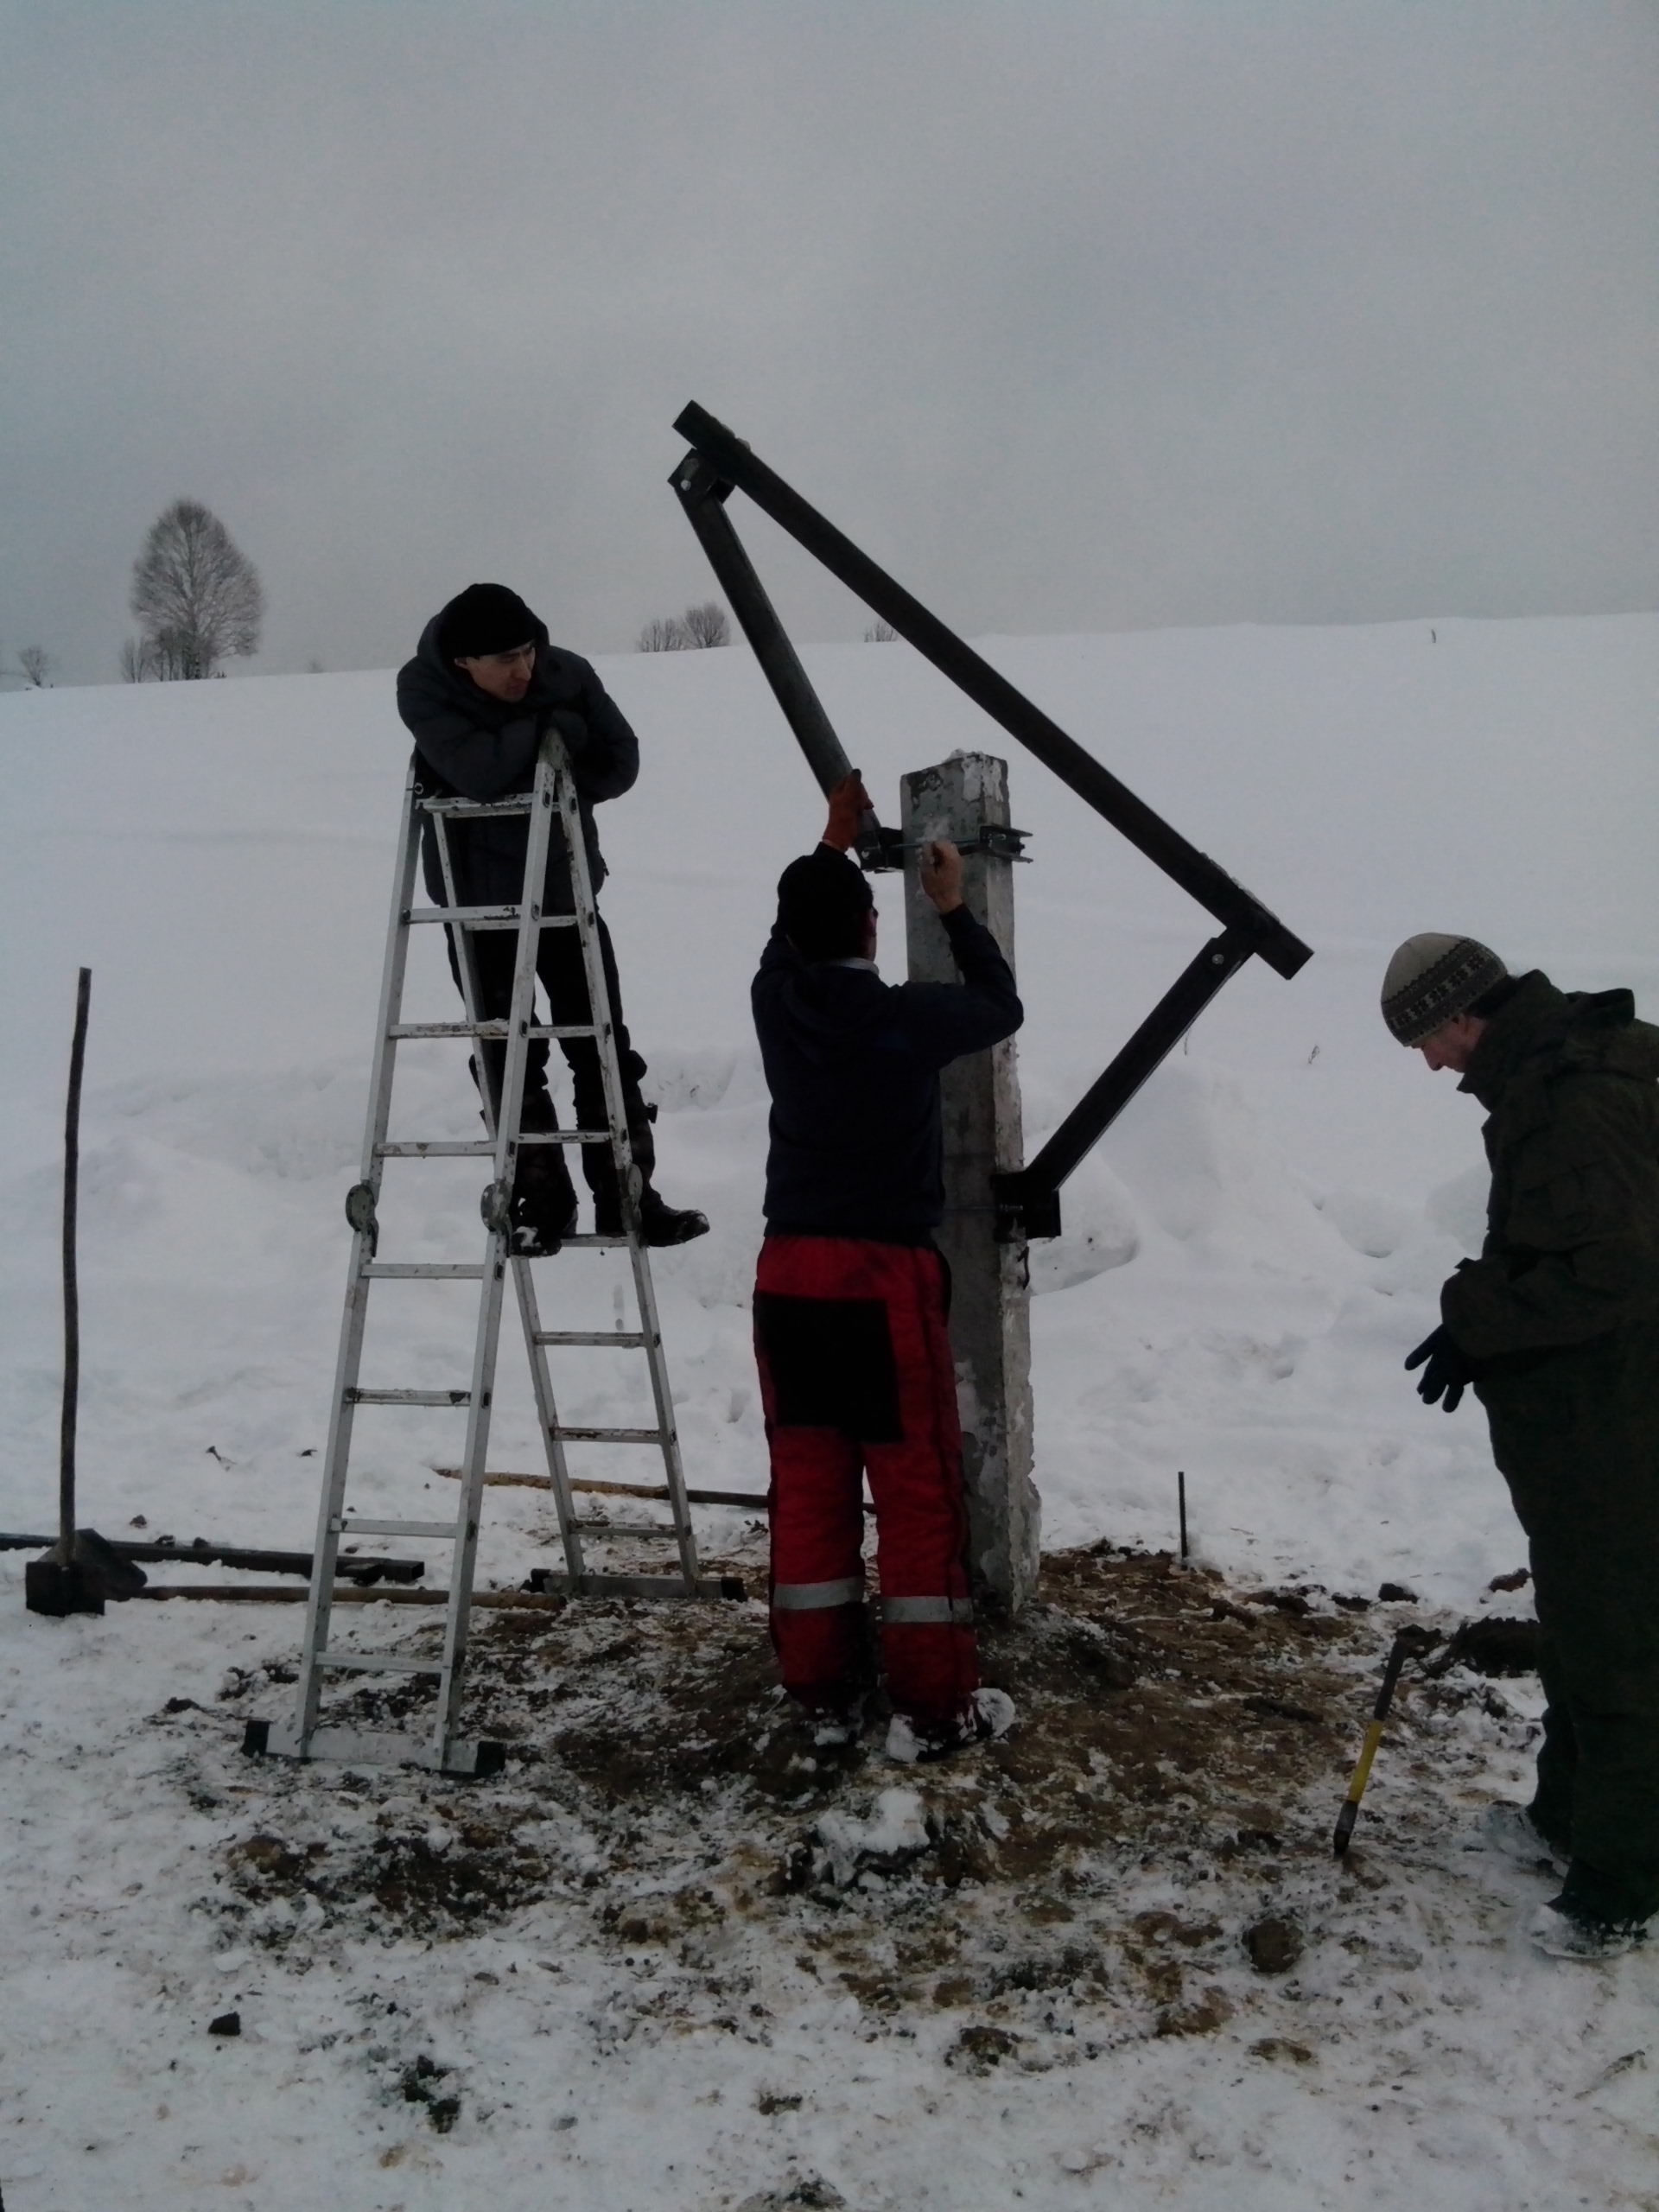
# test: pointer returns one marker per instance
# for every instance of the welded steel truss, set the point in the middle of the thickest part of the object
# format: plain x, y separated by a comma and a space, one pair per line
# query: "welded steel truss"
719, 463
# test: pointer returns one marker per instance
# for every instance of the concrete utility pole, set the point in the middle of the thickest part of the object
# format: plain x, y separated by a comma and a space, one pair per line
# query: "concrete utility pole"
990, 1330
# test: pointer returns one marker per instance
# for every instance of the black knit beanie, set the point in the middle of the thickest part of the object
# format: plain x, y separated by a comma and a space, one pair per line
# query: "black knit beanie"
822, 901
485, 619
1434, 978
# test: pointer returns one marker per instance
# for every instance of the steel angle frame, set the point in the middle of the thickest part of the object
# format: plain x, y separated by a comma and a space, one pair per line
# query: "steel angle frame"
720, 463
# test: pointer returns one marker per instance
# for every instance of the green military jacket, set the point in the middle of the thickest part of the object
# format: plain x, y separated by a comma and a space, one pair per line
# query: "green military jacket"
1571, 1085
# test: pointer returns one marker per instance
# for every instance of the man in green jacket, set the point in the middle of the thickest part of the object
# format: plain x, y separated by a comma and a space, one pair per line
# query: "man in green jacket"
1556, 1327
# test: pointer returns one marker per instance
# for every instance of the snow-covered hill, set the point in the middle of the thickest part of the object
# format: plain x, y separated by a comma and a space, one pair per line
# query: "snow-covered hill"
1247, 1256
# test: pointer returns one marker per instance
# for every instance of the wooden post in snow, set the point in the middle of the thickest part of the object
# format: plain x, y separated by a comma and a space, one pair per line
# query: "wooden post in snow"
989, 1319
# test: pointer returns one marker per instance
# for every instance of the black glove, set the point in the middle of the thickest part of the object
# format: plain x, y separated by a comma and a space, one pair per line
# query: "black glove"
1449, 1372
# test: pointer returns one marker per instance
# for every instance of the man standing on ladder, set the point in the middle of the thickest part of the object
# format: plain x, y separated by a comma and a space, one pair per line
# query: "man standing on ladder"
857, 1372
485, 685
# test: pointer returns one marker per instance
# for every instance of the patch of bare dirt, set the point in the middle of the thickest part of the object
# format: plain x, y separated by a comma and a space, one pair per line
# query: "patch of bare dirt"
664, 1804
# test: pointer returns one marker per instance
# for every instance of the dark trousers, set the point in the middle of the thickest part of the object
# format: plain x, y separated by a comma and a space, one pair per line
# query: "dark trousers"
1577, 1437
564, 983
857, 1376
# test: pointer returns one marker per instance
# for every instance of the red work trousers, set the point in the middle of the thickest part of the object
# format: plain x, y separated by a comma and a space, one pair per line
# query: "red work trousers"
857, 1376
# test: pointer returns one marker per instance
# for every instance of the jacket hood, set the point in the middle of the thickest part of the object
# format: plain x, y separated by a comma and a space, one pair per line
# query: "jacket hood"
1544, 1032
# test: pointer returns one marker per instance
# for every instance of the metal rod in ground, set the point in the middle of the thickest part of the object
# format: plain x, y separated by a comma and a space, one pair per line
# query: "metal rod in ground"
1406, 1641
71, 1290
1180, 1500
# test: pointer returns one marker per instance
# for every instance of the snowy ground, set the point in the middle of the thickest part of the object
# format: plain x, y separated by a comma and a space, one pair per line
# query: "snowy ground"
1247, 1258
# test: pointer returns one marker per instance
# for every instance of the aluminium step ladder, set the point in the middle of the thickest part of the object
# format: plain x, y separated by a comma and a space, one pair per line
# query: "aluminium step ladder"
306, 1736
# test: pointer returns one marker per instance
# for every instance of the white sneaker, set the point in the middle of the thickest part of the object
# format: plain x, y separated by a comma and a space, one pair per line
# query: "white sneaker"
1510, 1830
989, 1713
1565, 1935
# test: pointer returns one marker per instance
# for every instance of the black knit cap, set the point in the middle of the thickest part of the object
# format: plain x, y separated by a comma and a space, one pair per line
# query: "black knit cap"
1434, 978
822, 901
485, 619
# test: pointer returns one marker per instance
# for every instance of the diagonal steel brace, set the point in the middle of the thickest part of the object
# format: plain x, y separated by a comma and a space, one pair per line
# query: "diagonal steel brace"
719, 463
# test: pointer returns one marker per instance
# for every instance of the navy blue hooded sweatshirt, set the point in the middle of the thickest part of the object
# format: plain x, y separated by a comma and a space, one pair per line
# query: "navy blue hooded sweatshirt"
853, 1065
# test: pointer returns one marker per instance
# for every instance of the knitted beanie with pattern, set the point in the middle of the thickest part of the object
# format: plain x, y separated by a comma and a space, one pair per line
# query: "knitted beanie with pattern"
1434, 978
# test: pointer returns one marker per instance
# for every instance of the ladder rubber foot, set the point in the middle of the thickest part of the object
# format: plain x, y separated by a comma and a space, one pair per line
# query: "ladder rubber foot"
255, 1737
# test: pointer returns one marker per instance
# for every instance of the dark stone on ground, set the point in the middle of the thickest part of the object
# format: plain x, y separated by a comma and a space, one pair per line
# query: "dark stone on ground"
1274, 1944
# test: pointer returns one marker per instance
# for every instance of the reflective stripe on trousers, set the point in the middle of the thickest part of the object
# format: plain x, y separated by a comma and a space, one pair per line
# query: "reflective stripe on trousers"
958, 1610
817, 1597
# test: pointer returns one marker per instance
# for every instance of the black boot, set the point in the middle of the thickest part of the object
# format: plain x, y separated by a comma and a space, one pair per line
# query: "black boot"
543, 1197
662, 1224
659, 1223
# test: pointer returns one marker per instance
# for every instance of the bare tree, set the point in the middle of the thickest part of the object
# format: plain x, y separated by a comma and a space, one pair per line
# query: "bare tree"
706, 625
880, 633
163, 659
36, 665
195, 595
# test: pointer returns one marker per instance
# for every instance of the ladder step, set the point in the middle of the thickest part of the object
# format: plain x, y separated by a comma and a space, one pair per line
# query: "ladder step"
410, 1397
623, 1339
611, 1435
283, 1740
466, 917
372, 1663
610, 1243
475, 807
437, 1148
483, 918
421, 1271
406, 1029
443, 1530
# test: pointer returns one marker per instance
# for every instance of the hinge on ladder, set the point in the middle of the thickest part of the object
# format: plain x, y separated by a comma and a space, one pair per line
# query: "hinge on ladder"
359, 1211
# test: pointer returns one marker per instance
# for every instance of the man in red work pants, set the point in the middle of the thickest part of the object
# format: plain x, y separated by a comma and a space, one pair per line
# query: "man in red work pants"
851, 1295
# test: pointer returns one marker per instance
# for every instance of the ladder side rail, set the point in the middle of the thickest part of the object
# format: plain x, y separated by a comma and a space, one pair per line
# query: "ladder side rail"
604, 1014
547, 1413
541, 1378
497, 1247
523, 1285
320, 1598
461, 943
663, 1398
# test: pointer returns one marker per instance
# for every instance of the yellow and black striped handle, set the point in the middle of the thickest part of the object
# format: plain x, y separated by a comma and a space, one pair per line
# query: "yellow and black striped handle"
1404, 1643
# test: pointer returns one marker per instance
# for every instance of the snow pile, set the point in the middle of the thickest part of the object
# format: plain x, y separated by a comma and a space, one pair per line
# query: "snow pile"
1247, 1258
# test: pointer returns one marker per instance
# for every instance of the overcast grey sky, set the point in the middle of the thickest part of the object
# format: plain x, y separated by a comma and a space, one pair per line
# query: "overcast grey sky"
1079, 313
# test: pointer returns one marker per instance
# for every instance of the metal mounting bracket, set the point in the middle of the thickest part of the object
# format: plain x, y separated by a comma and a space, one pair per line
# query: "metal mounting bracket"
719, 463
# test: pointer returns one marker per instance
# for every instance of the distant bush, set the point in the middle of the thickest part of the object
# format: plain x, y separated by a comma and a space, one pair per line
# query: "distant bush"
699, 626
